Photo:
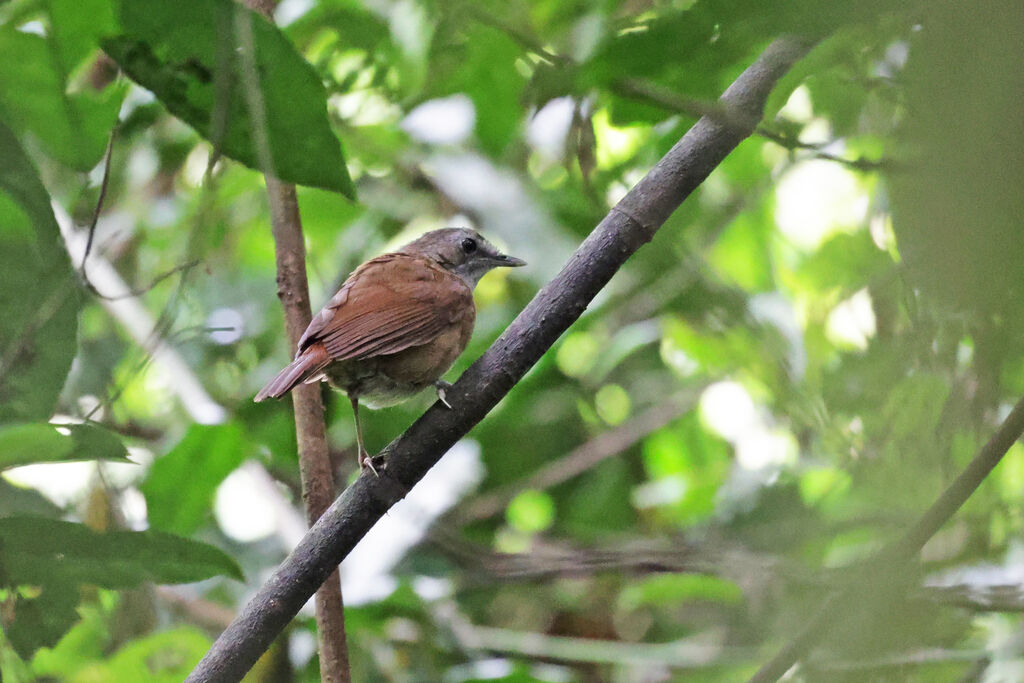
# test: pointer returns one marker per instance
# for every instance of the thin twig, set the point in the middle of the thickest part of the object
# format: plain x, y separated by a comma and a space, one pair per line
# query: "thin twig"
99, 201
791, 143
699, 651
141, 327
525, 40
690, 106
547, 559
91, 238
1004, 598
315, 470
210, 614
139, 291
641, 89
632, 223
898, 661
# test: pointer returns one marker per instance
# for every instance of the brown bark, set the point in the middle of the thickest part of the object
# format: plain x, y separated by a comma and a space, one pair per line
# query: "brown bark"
315, 470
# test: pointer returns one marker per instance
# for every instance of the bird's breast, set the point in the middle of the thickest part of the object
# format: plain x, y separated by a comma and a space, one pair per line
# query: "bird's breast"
389, 379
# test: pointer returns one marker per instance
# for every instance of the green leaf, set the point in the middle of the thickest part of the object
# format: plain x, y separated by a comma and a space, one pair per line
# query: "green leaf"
821, 57
39, 295
354, 25
670, 590
741, 252
18, 500
165, 657
32, 442
176, 499
492, 82
531, 511
599, 502
914, 407
21, 444
612, 403
699, 50
76, 27
686, 459
187, 53
83, 645
34, 97
96, 443
37, 551
713, 350
846, 261
41, 618
577, 353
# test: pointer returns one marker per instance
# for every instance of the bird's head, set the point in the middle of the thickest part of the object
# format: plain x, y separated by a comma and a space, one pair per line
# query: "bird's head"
461, 251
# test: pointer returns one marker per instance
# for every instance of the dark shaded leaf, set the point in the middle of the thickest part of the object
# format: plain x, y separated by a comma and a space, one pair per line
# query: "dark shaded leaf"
38, 292
37, 551
25, 443
16, 500
41, 620
186, 54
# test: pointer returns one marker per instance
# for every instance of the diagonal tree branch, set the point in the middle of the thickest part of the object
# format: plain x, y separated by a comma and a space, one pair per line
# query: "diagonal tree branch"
640, 89
629, 225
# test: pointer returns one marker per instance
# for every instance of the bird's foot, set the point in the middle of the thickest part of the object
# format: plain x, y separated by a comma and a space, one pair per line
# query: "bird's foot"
366, 462
442, 388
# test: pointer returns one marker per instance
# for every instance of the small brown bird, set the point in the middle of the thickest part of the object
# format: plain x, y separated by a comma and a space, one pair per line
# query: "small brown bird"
396, 325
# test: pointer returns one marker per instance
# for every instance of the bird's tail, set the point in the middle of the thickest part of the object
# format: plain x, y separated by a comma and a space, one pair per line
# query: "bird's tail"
308, 364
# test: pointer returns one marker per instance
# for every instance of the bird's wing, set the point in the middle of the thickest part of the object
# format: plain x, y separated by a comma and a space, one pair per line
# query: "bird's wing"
389, 304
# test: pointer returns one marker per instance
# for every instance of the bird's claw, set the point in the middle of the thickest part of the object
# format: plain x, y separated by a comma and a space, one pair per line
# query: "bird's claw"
442, 387
366, 462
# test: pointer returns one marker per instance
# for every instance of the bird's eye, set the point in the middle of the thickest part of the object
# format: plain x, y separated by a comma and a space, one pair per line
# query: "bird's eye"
469, 245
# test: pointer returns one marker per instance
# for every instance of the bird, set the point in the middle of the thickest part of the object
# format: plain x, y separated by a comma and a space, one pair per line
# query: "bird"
396, 325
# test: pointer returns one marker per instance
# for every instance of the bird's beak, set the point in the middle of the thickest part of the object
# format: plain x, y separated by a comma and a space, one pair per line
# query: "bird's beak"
508, 261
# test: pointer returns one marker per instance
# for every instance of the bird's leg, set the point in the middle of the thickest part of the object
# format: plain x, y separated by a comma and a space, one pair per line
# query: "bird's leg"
364, 457
442, 387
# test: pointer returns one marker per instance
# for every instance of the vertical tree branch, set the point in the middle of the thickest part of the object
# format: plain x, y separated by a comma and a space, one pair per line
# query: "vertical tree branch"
293, 291
314, 459
631, 224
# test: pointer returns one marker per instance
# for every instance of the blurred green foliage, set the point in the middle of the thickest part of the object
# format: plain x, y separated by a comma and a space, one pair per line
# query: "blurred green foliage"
810, 350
